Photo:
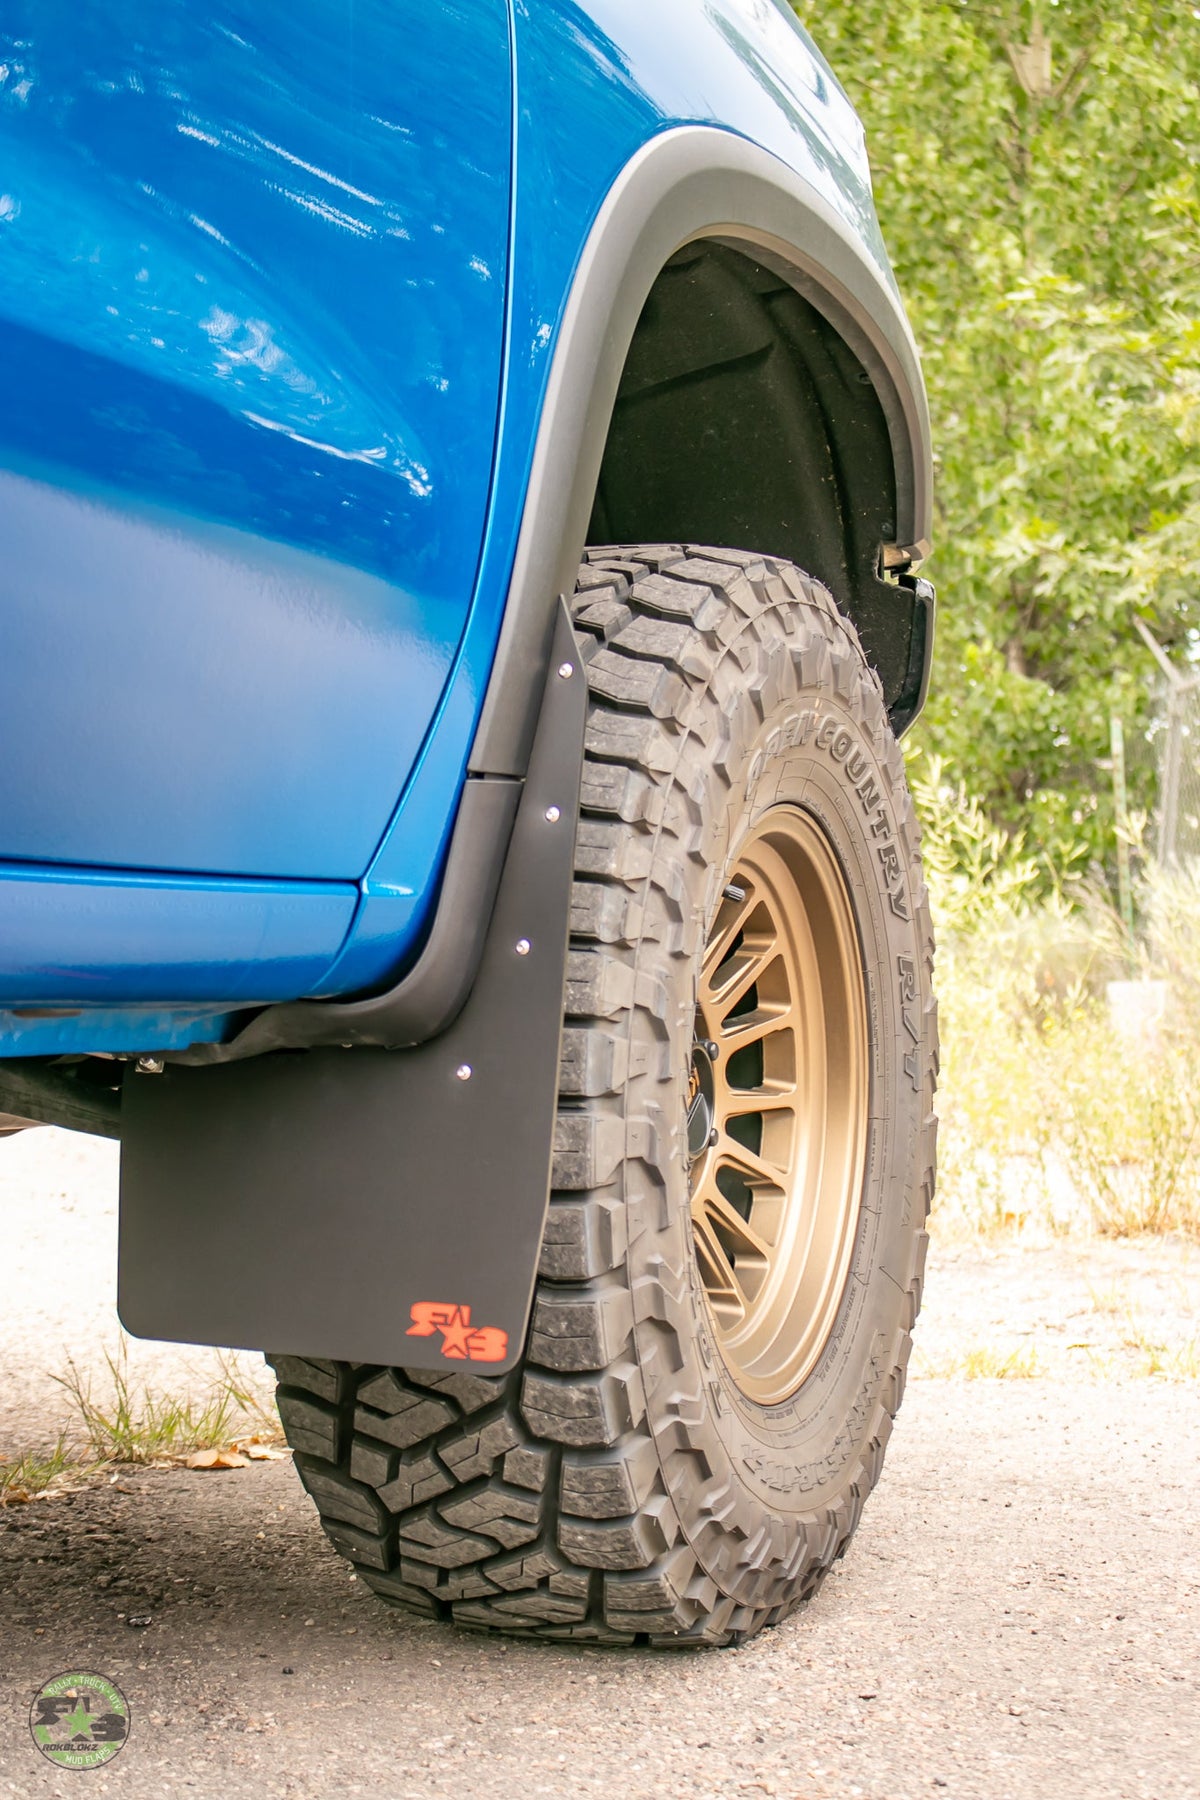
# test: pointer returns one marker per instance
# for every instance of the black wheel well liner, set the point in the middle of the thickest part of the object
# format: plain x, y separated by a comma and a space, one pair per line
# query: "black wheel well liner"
756, 269
743, 419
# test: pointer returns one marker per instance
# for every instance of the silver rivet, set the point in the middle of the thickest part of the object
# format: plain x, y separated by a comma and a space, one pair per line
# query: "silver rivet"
565, 671
553, 814
523, 946
464, 1071
149, 1065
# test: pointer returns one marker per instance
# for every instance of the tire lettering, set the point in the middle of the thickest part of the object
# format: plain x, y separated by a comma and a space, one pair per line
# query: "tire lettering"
889, 862
907, 970
868, 793
908, 977
791, 733
796, 730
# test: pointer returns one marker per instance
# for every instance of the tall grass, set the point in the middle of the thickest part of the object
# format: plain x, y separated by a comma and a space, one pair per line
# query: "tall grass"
37, 1472
123, 1420
1057, 1112
132, 1423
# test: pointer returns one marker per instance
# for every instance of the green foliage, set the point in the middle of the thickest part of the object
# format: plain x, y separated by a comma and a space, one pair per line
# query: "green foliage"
1035, 1128
1132, 1145
133, 1425
35, 1472
1045, 228
976, 872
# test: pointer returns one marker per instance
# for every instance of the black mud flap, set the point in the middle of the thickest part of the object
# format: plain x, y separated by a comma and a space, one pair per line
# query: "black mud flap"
379, 1206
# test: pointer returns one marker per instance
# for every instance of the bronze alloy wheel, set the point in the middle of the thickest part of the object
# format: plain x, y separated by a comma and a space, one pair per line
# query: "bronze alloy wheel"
778, 1104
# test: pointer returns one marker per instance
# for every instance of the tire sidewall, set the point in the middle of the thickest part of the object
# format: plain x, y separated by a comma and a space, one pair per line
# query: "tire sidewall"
826, 748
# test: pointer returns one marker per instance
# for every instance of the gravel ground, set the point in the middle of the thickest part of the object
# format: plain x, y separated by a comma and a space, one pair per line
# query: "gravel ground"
1019, 1616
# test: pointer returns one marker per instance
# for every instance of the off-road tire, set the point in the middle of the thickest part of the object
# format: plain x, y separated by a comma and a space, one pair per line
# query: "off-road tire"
617, 1487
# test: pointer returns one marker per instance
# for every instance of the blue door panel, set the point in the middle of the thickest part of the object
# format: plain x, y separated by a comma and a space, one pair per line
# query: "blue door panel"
252, 275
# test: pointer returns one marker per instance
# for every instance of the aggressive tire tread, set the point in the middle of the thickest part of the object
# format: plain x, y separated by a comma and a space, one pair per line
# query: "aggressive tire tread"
545, 1502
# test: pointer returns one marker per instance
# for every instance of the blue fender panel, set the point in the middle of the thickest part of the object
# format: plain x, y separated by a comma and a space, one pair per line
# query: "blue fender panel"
353, 198
180, 695
252, 279
596, 82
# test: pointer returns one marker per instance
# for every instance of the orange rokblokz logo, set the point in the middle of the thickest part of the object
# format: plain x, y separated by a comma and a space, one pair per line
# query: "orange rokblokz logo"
460, 1339
79, 1720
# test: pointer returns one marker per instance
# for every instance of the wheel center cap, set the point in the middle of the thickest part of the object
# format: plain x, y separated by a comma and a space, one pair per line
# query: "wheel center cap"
700, 1101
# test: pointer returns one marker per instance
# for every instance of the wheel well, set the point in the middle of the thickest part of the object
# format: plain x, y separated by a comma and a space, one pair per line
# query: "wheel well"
744, 419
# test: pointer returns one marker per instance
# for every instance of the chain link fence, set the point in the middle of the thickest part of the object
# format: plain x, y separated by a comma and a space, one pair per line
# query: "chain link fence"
1177, 834
1176, 738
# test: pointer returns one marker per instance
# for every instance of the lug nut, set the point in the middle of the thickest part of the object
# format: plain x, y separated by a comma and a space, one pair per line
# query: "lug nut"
149, 1065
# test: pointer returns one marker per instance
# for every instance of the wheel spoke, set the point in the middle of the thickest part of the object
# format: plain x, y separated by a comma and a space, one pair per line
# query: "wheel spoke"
730, 919
748, 1028
746, 1240
746, 967
755, 1169
740, 1103
720, 1283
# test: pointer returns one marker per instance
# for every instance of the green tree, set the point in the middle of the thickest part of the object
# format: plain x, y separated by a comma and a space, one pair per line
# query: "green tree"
1037, 172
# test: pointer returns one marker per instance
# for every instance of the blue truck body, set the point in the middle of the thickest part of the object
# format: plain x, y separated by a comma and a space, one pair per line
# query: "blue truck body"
282, 292
464, 467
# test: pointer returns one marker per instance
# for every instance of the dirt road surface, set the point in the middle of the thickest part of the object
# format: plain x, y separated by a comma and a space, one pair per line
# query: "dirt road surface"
1019, 1617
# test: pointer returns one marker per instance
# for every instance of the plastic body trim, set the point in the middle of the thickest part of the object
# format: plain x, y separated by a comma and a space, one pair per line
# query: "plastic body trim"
694, 182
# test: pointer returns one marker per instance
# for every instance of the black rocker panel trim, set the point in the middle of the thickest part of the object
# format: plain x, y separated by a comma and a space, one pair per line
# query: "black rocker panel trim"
78, 1093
